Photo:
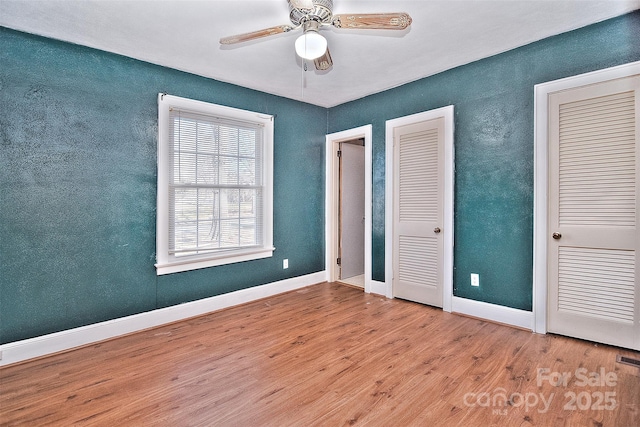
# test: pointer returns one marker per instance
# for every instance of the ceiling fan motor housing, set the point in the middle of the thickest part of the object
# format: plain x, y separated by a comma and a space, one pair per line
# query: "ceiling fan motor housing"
321, 11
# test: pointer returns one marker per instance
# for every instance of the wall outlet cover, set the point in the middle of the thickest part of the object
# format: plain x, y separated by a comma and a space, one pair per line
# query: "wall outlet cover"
475, 279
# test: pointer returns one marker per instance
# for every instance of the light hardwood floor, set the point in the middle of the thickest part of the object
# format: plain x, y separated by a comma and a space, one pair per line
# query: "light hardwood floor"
327, 355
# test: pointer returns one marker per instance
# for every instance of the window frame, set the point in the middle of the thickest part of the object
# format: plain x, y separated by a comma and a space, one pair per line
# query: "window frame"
167, 263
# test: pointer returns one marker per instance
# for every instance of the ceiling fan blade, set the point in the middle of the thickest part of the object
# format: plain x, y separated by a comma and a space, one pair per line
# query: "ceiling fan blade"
239, 38
372, 21
324, 62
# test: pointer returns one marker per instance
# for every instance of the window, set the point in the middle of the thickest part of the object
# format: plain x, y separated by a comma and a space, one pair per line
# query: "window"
215, 185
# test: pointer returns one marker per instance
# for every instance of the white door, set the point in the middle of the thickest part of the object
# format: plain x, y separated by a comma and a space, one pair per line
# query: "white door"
352, 189
418, 212
593, 242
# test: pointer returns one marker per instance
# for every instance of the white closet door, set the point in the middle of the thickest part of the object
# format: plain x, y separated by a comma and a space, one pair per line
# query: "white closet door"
418, 212
593, 244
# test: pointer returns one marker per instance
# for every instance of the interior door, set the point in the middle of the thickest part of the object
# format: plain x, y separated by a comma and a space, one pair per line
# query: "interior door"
418, 212
351, 209
593, 242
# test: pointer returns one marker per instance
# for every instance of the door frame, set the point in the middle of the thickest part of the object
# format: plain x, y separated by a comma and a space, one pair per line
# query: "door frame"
541, 176
333, 141
447, 113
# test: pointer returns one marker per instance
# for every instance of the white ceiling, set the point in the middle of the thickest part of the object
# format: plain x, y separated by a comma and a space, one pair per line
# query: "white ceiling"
184, 34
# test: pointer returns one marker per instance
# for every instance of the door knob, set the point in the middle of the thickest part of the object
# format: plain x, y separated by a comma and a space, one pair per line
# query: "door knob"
437, 230
556, 235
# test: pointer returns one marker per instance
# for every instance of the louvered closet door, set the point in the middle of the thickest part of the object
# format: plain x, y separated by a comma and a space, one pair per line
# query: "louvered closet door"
593, 216
418, 212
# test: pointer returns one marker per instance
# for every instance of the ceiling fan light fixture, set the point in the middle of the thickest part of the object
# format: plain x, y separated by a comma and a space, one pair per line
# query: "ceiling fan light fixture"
312, 15
311, 45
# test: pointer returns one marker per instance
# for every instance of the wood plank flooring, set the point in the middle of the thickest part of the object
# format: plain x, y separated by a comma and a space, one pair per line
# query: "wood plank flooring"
327, 355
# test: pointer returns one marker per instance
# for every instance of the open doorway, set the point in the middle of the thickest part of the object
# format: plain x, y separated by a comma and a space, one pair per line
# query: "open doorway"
342, 249
351, 212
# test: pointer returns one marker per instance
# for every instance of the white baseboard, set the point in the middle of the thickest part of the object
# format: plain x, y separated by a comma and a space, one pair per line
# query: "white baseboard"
19, 351
495, 313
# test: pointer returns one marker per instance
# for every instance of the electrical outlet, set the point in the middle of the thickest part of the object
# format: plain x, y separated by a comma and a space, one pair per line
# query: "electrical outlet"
285, 264
475, 279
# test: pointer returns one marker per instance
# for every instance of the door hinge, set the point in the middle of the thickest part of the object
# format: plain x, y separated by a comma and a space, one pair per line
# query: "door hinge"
339, 153
339, 261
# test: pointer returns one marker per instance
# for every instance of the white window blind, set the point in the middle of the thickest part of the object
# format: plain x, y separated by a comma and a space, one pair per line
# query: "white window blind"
216, 171
215, 184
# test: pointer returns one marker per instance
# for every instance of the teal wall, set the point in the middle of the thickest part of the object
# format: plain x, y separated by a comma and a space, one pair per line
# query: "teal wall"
78, 175
494, 124
78, 187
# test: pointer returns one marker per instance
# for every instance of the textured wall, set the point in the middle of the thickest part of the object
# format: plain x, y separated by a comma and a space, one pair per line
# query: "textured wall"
78, 187
77, 174
493, 101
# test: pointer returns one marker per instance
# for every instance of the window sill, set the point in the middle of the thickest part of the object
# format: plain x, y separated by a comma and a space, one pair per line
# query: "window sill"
204, 261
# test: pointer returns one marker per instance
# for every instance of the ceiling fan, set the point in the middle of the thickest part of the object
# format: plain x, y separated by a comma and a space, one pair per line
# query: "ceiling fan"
311, 15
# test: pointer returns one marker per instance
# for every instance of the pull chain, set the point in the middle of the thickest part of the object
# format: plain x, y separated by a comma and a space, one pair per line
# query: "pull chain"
302, 76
